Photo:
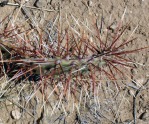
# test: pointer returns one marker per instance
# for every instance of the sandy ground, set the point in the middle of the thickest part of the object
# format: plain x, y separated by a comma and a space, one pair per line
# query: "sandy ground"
115, 106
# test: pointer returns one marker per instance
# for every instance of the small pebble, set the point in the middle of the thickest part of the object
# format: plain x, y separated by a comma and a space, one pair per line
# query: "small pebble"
39, 3
91, 39
90, 3
144, 116
113, 26
56, 7
1, 122
16, 114
96, 14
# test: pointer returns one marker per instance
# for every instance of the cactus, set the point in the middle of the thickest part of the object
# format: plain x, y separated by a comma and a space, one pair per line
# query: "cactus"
30, 53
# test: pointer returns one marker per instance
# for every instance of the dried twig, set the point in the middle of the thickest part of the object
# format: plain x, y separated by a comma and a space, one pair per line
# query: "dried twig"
4, 3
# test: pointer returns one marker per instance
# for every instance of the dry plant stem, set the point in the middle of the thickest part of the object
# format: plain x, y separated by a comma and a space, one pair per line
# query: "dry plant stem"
31, 7
21, 4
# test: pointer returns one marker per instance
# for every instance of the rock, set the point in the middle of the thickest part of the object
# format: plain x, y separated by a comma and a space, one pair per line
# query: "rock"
144, 116
1, 122
90, 3
39, 3
16, 114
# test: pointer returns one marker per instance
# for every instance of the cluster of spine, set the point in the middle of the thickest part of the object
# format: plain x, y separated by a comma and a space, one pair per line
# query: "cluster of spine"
71, 59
